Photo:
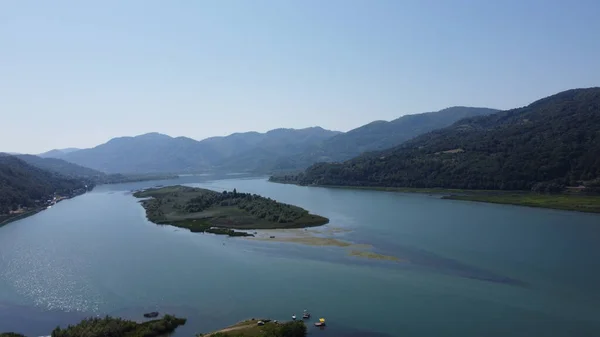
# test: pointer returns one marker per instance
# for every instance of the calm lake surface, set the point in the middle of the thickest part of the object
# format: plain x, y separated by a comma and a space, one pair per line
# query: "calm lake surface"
467, 269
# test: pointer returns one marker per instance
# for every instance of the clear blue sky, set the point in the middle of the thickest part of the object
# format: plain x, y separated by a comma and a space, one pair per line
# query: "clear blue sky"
77, 73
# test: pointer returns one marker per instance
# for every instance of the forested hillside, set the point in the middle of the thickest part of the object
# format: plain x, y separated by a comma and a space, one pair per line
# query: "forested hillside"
61, 167
74, 171
375, 136
552, 143
27, 186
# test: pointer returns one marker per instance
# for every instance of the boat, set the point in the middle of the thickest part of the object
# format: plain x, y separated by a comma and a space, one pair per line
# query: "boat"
151, 314
306, 315
321, 322
293, 317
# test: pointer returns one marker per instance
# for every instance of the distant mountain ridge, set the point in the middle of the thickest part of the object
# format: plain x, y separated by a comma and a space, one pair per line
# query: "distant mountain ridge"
69, 170
378, 135
59, 166
272, 151
159, 153
57, 152
551, 143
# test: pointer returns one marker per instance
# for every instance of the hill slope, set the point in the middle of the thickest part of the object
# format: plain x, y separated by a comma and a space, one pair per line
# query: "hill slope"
158, 153
377, 135
148, 153
57, 153
550, 143
261, 151
61, 167
23, 184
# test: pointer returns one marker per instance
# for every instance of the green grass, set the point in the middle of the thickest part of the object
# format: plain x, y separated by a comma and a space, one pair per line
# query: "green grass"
581, 203
167, 206
565, 201
250, 328
247, 330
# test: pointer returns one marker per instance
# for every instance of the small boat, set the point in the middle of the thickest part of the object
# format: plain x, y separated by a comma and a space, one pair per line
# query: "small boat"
321, 322
306, 315
151, 314
293, 317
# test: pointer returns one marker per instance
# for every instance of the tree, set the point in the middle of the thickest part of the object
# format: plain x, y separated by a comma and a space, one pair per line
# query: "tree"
554, 141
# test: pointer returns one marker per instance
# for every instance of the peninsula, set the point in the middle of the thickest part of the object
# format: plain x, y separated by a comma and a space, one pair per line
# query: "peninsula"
202, 210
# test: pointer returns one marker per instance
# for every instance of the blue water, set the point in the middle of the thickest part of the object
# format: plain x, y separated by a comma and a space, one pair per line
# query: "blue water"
466, 269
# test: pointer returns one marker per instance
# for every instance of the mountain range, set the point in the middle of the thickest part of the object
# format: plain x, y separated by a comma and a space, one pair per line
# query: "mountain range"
273, 151
375, 136
545, 146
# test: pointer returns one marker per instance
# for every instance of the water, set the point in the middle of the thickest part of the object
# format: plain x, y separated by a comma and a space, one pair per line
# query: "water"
467, 269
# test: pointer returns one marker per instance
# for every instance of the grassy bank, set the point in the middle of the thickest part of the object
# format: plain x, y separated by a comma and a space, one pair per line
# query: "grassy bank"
563, 201
250, 328
580, 203
201, 210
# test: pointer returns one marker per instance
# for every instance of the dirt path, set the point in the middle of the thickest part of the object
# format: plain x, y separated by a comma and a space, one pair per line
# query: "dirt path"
234, 328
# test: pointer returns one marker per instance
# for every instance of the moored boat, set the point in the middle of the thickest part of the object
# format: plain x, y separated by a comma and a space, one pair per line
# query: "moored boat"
321, 322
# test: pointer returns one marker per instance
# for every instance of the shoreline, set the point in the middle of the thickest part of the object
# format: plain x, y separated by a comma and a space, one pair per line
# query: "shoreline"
36, 210
21, 216
259, 327
560, 201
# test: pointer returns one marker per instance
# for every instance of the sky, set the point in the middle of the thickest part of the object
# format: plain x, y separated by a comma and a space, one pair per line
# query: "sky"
77, 73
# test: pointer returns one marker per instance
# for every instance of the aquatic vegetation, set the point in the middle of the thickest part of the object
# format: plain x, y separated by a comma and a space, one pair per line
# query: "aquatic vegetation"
117, 327
202, 210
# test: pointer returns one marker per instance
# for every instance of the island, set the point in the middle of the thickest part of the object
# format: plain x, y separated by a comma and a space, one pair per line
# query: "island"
111, 326
202, 210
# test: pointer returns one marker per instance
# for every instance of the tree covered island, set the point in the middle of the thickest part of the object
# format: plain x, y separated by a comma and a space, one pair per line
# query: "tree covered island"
202, 210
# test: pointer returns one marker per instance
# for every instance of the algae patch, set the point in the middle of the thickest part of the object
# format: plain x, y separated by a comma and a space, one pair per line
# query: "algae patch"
373, 256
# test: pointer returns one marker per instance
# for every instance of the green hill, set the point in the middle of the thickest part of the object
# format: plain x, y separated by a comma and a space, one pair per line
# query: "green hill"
61, 167
23, 185
552, 143
94, 177
375, 136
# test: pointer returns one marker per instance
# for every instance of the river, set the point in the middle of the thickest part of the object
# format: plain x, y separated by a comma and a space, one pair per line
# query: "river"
464, 269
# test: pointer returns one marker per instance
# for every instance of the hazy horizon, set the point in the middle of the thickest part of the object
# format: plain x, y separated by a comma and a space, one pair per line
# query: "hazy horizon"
77, 74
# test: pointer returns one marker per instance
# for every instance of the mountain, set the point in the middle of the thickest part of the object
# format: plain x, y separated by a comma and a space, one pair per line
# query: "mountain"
275, 141
25, 185
62, 167
377, 135
551, 143
148, 153
57, 153
259, 151
159, 153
